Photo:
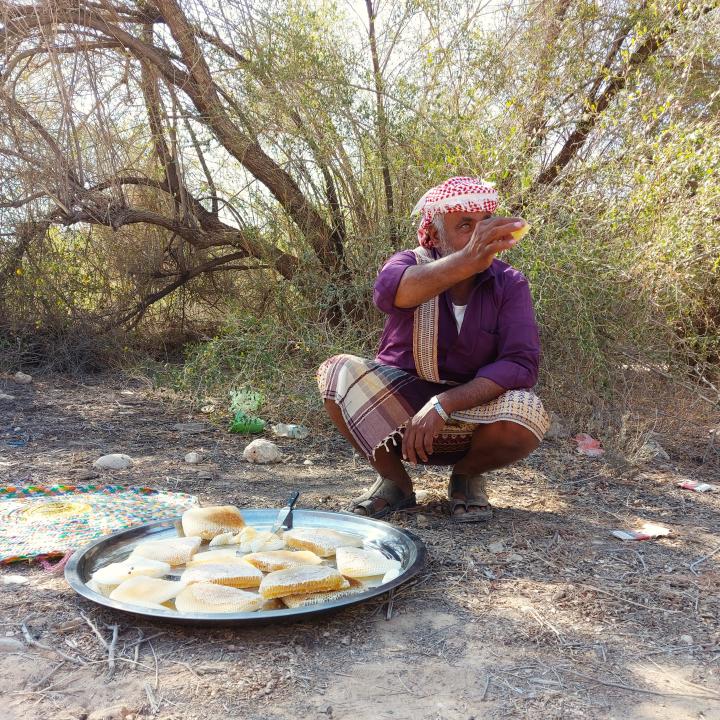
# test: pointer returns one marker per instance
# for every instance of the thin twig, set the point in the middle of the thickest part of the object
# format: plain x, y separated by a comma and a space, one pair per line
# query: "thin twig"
693, 565
157, 676
634, 688
93, 627
143, 639
485, 689
632, 602
30, 640
391, 600
111, 652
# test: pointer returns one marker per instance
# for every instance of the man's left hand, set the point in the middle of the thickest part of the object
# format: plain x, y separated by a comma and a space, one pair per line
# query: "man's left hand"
420, 433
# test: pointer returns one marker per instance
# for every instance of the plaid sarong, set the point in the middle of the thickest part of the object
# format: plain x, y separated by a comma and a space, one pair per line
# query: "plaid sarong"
377, 400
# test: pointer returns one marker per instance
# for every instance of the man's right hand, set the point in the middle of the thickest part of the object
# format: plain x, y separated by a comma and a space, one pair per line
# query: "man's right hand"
490, 237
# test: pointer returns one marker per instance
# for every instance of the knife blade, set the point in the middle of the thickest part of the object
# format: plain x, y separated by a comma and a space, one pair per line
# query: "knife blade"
282, 516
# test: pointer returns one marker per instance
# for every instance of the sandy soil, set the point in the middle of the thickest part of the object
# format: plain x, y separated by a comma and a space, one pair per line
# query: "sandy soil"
542, 614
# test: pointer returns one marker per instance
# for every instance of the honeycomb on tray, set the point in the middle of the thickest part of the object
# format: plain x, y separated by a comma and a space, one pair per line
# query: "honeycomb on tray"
209, 597
273, 560
322, 541
301, 580
303, 567
207, 522
235, 574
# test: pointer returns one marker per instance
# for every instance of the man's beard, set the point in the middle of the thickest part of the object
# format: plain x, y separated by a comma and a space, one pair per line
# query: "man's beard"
443, 247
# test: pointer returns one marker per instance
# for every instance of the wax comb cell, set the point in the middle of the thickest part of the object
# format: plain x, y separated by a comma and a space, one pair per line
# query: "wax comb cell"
209, 597
252, 540
217, 555
274, 560
174, 551
234, 574
302, 580
109, 577
320, 598
363, 562
322, 541
522, 232
146, 591
207, 522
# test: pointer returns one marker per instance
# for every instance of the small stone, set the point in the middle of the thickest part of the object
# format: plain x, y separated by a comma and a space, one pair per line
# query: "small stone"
422, 521
5, 396
8, 645
308, 461
686, 639
22, 379
191, 427
193, 458
14, 580
422, 496
207, 409
496, 547
114, 461
652, 450
515, 558
327, 710
556, 431
86, 475
345, 640
116, 712
262, 452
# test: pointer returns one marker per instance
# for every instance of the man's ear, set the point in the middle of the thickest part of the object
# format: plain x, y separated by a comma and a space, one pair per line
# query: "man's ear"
433, 234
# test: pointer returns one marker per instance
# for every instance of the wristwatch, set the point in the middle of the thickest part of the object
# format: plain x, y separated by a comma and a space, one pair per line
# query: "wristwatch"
439, 408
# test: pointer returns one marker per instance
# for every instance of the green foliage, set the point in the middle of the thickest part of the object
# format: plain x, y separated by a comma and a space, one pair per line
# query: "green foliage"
624, 254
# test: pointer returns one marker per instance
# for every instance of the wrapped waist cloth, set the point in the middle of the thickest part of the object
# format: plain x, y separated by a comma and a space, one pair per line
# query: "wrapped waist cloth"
377, 400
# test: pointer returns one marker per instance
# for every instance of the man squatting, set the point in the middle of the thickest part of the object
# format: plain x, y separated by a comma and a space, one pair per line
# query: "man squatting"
450, 384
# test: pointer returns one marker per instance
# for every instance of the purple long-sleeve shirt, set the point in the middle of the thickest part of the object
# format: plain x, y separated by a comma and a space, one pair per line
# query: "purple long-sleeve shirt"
498, 338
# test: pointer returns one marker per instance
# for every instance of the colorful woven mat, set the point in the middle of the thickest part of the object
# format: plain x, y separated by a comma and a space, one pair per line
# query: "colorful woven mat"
37, 521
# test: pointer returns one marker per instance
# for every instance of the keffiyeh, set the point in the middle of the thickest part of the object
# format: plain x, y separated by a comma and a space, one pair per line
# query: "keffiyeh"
454, 195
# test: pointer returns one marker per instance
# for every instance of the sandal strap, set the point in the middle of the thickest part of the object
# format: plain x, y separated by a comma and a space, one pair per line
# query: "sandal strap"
383, 489
473, 487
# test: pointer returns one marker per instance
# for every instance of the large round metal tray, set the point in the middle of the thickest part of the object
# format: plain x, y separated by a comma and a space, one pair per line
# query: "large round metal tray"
394, 542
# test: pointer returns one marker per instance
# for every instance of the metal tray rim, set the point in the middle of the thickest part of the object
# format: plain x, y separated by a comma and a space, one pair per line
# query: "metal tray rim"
75, 566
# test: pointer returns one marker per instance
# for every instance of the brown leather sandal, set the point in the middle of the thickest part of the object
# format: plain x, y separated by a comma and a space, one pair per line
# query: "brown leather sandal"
474, 489
386, 490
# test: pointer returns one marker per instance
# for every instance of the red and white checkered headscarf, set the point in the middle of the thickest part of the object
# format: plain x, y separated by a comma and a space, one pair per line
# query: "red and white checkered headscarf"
457, 194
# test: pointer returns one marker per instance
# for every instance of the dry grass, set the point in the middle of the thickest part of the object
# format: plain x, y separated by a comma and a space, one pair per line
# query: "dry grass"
542, 613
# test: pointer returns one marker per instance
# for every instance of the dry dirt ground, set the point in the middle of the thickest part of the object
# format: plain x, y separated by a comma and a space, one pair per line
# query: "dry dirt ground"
542, 614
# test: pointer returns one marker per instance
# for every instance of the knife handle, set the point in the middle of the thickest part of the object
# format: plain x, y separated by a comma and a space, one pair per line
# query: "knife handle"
292, 500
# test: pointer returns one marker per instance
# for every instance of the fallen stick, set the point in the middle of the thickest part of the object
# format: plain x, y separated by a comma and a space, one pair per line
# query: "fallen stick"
30, 640
633, 688
693, 565
111, 652
93, 627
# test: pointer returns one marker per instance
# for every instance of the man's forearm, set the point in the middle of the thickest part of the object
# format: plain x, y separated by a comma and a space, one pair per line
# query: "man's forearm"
422, 282
463, 397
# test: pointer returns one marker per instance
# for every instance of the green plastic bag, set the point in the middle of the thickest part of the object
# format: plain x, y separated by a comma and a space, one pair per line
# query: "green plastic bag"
243, 423
242, 404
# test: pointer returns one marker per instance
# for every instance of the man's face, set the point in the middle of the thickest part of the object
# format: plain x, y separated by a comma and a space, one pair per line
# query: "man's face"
459, 227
